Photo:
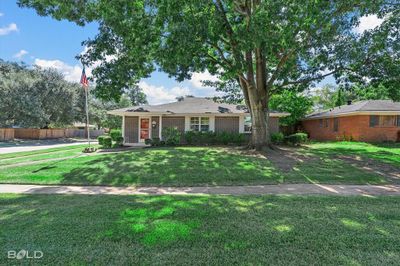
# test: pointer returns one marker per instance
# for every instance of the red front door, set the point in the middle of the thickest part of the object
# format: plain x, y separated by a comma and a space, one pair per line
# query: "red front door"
144, 129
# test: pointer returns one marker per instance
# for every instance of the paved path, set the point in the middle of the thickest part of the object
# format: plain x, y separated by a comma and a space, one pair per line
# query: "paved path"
11, 149
296, 189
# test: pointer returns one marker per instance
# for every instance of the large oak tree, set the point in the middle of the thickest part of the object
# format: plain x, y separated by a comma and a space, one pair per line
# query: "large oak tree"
265, 46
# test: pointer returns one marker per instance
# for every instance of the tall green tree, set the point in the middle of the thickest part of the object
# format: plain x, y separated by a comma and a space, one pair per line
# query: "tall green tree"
34, 97
265, 46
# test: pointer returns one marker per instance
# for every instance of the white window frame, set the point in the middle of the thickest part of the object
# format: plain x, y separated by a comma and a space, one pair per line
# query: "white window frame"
244, 125
199, 124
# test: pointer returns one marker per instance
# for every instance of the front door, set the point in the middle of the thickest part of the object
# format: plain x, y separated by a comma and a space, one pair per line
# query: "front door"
144, 129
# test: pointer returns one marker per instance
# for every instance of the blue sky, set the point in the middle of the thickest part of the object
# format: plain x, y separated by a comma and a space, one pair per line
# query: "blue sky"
27, 37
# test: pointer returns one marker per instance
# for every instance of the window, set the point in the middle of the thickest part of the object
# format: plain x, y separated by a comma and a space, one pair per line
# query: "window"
247, 124
335, 124
324, 123
373, 121
398, 120
200, 124
387, 121
383, 121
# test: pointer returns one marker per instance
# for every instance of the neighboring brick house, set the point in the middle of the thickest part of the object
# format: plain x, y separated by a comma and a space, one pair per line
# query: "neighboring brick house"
370, 121
189, 113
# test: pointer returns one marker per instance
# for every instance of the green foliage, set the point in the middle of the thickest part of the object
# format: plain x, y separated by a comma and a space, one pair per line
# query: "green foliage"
119, 140
106, 142
156, 142
148, 141
212, 138
291, 102
330, 96
265, 47
277, 138
297, 138
171, 136
115, 134
36, 97
100, 139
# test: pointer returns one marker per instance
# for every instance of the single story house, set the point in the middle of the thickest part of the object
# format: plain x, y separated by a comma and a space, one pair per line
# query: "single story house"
188, 113
370, 121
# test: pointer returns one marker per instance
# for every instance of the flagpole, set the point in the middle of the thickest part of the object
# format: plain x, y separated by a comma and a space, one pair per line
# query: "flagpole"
87, 114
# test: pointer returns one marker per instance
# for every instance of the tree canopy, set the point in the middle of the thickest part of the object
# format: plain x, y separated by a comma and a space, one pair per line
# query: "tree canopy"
40, 98
265, 46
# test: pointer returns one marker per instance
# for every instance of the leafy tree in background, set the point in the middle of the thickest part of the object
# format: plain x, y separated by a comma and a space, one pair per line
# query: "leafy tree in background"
41, 98
136, 95
34, 97
291, 102
331, 96
264, 46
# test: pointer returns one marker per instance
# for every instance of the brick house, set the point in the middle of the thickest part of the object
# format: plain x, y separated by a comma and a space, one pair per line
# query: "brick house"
370, 121
189, 113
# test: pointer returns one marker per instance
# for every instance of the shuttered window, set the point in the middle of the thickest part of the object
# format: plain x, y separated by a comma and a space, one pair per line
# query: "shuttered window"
373, 120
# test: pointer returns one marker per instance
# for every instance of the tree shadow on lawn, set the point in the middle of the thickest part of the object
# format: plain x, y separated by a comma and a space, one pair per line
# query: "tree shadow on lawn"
174, 167
209, 229
388, 153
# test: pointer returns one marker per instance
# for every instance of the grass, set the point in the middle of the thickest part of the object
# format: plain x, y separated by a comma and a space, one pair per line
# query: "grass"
181, 166
384, 152
187, 230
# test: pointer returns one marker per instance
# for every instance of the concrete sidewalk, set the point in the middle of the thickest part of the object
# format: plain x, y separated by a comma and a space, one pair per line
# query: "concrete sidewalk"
295, 189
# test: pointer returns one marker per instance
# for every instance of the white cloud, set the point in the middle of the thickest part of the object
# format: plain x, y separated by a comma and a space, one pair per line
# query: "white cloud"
71, 73
20, 54
368, 23
159, 95
1, 14
8, 29
198, 77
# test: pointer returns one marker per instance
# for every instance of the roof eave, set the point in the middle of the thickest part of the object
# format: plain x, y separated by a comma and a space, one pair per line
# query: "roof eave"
354, 113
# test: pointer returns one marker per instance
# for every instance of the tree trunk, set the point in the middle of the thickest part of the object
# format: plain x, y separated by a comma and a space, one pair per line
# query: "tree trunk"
260, 131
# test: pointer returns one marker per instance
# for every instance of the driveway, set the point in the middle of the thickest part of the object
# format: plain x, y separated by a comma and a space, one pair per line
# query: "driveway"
33, 145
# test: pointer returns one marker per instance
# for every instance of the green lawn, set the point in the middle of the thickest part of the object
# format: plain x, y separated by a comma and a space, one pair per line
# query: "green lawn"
385, 152
187, 230
183, 166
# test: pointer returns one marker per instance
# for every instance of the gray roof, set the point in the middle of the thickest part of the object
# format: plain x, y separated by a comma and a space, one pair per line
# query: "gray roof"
189, 105
362, 106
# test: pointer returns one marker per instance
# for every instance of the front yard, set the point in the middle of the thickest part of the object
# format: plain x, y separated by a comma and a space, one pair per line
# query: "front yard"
191, 230
334, 163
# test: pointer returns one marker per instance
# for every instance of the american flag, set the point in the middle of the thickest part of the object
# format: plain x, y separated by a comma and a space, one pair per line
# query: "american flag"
84, 80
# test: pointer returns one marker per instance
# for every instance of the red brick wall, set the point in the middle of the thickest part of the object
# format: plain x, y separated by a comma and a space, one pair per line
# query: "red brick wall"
356, 127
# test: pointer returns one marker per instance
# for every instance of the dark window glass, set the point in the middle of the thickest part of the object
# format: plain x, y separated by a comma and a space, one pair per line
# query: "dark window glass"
336, 124
373, 121
398, 120
321, 122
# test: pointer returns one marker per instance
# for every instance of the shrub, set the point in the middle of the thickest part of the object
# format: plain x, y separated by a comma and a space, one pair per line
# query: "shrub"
148, 142
107, 142
190, 137
171, 136
212, 138
223, 138
115, 134
100, 139
155, 142
239, 139
277, 138
119, 141
297, 138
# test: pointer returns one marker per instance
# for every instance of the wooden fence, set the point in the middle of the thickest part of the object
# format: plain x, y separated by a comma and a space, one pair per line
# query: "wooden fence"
53, 133
6, 133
